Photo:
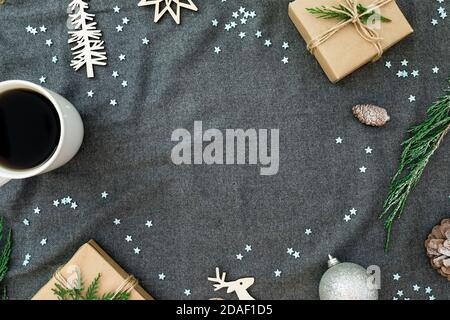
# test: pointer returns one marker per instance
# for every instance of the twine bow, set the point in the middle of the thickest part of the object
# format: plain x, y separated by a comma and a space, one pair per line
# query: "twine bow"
364, 30
128, 284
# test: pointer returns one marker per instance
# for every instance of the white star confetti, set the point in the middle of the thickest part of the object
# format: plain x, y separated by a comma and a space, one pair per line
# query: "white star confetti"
412, 98
187, 292
145, 41
416, 287
368, 150
308, 232
353, 211
239, 256
434, 22
290, 251
277, 273
125, 20
115, 74
435, 69
116, 222
267, 43
43, 29
55, 59
74, 205
49, 42
285, 45
161, 276
388, 64
27, 260
122, 57
242, 35
363, 169
113, 102
217, 50
128, 239
119, 28
124, 84
296, 255
415, 73
215, 23
116, 9
26, 222
56, 203
339, 140
149, 224
90, 93
428, 290
347, 218
404, 62
104, 195
137, 250
285, 60
400, 293
37, 210
248, 248
43, 242
396, 276
258, 34
42, 79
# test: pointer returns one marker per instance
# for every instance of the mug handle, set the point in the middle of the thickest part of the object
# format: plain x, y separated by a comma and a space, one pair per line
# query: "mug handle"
4, 181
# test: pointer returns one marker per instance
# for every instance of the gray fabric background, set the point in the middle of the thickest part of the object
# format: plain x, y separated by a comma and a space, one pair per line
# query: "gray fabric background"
203, 216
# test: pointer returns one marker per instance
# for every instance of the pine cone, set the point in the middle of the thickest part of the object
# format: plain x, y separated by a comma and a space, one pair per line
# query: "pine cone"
371, 115
438, 248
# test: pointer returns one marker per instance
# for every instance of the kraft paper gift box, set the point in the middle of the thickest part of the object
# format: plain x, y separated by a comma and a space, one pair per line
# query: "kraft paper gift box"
346, 50
92, 260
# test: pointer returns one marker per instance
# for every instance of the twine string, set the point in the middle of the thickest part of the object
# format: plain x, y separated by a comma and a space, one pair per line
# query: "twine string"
364, 31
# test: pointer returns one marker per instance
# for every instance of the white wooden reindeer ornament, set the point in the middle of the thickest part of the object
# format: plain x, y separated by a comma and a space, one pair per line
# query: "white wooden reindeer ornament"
168, 8
239, 286
88, 49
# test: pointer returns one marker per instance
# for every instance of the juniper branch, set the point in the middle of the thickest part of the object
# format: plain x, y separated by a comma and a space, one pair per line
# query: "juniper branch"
417, 150
341, 13
5, 255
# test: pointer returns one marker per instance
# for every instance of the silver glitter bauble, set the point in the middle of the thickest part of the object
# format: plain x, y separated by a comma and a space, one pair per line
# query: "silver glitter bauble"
345, 281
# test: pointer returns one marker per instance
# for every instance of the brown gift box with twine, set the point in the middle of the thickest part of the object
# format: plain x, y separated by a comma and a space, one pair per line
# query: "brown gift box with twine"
341, 47
92, 260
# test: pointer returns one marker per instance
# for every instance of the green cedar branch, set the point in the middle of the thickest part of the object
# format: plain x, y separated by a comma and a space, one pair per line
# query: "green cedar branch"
5, 254
424, 140
325, 12
91, 292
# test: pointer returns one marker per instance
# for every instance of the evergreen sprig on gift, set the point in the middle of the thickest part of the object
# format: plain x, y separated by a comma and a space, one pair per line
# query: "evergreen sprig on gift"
340, 12
5, 254
417, 151
91, 292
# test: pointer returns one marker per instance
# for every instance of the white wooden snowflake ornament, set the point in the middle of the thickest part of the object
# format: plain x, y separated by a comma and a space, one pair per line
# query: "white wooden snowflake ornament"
167, 7
88, 49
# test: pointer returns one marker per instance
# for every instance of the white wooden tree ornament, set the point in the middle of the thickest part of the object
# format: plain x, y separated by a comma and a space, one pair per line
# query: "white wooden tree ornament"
239, 286
167, 7
88, 49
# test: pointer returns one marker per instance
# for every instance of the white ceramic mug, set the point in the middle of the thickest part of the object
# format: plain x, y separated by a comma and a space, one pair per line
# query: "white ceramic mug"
71, 136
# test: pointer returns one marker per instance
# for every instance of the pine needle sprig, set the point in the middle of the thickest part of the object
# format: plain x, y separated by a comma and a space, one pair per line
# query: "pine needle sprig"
5, 255
92, 289
424, 140
91, 292
337, 12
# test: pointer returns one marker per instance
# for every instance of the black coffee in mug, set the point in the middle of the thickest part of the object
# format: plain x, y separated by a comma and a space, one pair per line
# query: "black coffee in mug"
30, 129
